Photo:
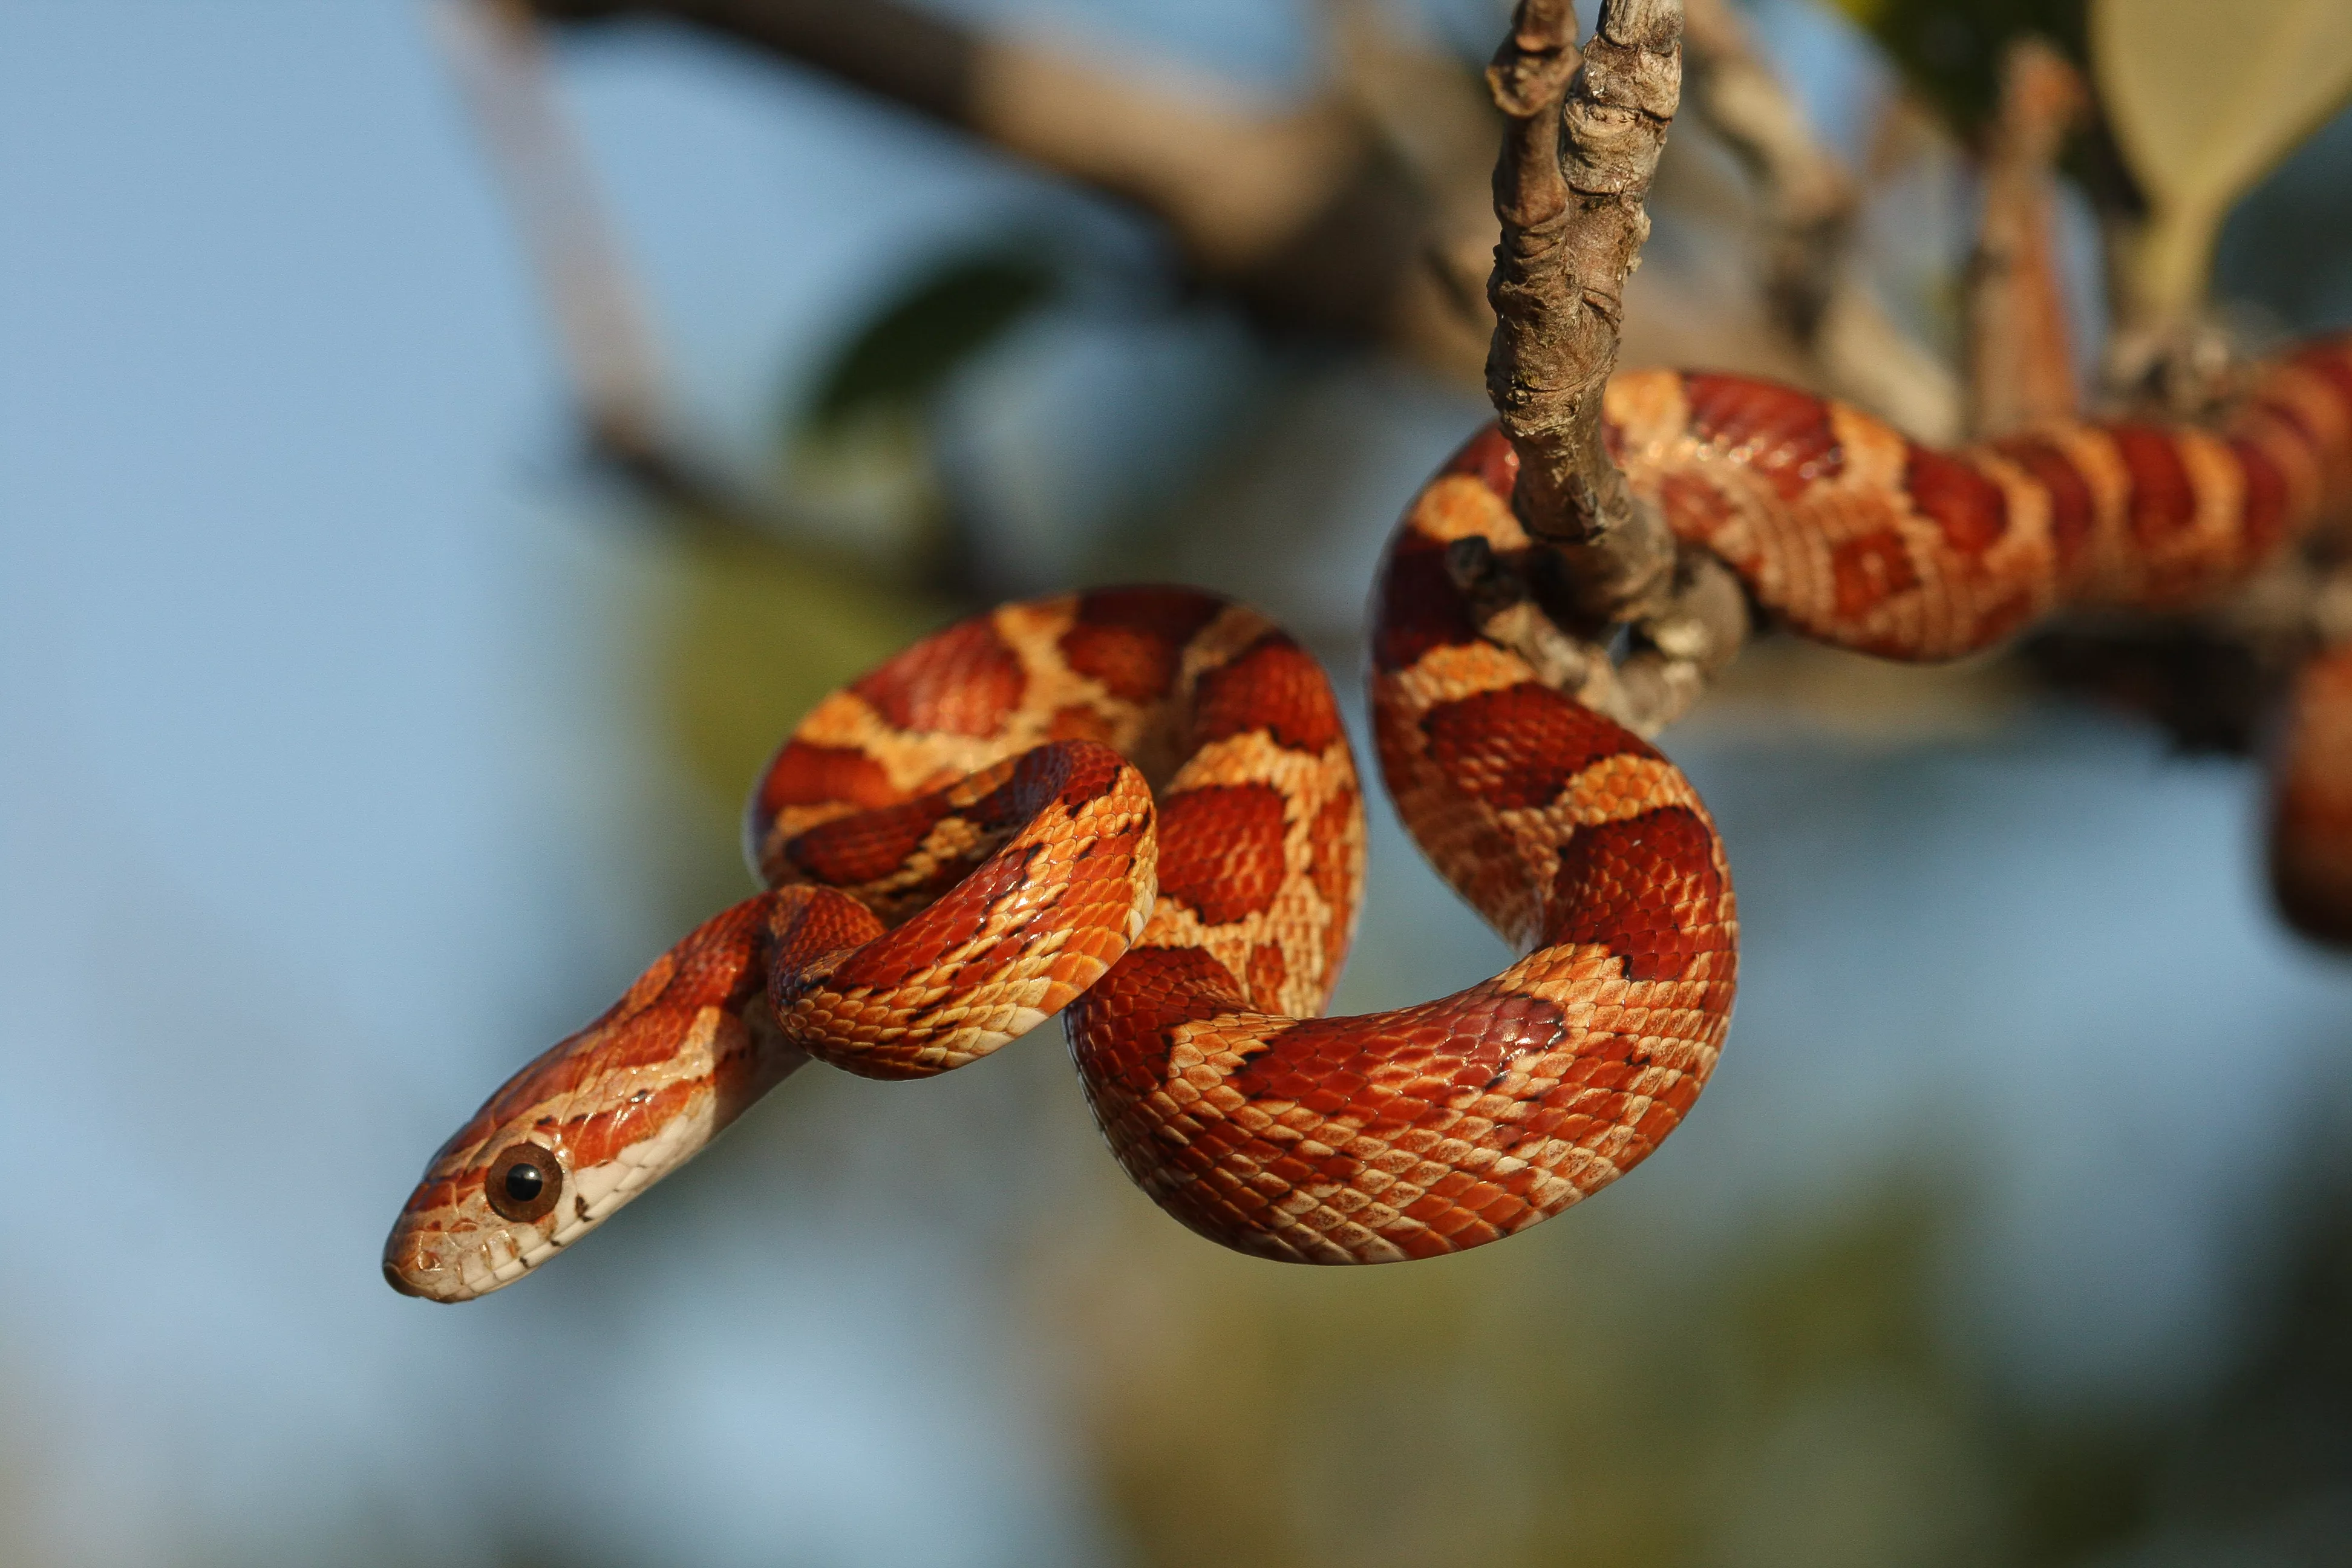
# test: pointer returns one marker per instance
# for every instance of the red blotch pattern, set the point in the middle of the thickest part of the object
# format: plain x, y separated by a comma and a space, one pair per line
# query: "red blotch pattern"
868, 846
963, 681
1646, 888
1274, 686
1221, 850
1118, 1030
803, 774
1326, 1064
1267, 971
859, 852
806, 923
1778, 433
1078, 723
2073, 511
1969, 508
1866, 572
1695, 508
2162, 505
1131, 639
1419, 607
1516, 748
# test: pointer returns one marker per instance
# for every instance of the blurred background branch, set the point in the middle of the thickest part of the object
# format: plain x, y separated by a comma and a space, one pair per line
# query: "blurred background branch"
1808, 205
603, 323
2021, 366
1300, 214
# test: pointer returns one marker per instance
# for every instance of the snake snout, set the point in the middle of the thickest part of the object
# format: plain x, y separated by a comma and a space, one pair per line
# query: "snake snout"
394, 1277
420, 1260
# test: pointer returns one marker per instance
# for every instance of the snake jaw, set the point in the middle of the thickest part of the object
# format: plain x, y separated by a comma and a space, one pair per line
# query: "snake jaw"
454, 1246
451, 1243
451, 1246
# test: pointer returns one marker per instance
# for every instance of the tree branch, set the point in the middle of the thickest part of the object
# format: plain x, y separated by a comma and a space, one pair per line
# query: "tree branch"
1582, 141
2020, 357
599, 317
1810, 200
1292, 213
601, 325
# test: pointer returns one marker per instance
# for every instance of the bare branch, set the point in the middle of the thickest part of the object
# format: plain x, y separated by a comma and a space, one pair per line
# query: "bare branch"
2020, 363
602, 326
1809, 204
1435, 124
1581, 143
1693, 635
901, 53
1582, 140
1291, 212
600, 318
1810, 199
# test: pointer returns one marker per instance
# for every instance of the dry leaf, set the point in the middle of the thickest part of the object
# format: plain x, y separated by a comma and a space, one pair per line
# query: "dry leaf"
2204, 99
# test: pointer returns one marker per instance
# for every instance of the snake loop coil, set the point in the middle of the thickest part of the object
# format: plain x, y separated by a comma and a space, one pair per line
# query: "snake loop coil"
1139, 807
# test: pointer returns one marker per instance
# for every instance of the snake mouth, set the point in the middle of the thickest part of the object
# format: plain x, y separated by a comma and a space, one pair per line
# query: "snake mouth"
414, 1266
452, 1243
451, 1269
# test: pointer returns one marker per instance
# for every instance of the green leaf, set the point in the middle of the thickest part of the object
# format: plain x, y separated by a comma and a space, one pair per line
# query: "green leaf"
2205, 100
1949, 51
945, 316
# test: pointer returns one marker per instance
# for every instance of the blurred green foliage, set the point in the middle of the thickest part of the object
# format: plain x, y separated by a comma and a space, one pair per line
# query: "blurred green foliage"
751, 637
947, 314
1949, 51
1801, 1398
1567, 1401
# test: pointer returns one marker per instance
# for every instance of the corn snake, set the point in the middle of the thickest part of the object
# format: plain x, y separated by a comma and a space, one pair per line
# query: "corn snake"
1139, 806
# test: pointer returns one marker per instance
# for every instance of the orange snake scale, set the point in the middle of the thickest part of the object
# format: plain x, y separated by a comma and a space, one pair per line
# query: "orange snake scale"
1139, 807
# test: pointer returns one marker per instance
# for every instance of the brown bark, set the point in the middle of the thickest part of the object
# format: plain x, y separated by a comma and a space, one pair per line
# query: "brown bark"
2020, 368
1581, 143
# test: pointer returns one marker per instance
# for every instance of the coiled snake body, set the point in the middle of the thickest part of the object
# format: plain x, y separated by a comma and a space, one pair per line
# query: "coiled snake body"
1139, 806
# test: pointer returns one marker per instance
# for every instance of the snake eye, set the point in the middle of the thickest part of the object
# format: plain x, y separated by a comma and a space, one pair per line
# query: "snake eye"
523, 1182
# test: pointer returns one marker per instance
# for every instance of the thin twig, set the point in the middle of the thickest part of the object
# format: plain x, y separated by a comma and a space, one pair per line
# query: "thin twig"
600, 318
1808, 199
1811, 204
2021, 359
1581, 141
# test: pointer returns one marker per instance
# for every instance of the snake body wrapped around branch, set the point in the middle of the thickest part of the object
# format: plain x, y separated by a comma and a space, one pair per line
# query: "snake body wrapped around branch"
1139, 806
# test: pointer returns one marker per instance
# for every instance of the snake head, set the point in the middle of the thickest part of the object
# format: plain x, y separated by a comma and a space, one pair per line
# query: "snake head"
595, 1121
487, 1213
